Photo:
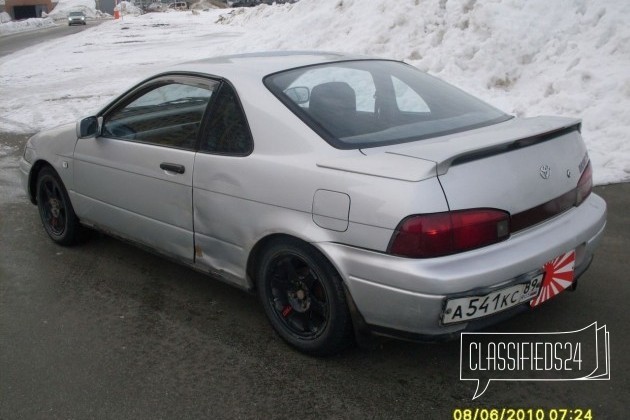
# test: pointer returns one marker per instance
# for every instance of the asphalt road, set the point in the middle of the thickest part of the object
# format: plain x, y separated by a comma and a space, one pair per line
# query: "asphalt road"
106, 330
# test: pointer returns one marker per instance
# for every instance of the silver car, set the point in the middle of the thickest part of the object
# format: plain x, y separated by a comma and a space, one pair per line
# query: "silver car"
352, 194
76, 18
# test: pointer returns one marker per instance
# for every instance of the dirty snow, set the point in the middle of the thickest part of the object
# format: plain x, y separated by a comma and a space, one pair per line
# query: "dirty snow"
63, 7
527, 57
10, 187
128, 8
11, 27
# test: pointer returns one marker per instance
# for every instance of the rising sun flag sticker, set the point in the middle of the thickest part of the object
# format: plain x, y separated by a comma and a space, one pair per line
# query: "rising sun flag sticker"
558, 277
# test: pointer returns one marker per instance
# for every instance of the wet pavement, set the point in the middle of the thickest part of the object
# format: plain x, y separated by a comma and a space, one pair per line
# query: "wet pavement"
107, 330
10, 43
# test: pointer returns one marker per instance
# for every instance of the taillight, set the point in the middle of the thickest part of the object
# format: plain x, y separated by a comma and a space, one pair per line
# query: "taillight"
585, 185
437, 234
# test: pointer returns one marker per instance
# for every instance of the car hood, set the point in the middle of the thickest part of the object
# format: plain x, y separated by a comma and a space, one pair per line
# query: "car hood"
55, 141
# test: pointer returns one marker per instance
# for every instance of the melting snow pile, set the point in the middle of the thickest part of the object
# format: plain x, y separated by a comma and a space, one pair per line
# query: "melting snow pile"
527, 57
128, 8
60, 12
25, 25
202, 5
63, 7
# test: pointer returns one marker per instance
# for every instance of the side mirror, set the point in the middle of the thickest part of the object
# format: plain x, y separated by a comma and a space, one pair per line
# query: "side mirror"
298, 94
89, 127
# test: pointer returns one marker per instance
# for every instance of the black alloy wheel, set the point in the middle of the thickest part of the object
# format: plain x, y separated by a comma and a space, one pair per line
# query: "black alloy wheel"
55, 209
304, 299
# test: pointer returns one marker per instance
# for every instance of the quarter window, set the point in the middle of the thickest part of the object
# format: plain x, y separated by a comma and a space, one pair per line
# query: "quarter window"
407, 99
228, 132
169, 114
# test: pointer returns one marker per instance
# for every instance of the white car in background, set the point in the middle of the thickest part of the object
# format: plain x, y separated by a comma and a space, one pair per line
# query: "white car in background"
347, 191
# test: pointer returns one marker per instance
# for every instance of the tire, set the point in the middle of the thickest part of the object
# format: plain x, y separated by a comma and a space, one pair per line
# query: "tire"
303, 298
55, 209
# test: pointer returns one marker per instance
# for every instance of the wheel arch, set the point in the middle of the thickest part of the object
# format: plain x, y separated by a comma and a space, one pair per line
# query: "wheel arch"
257, 250
33, 175
253, 258
362, 332
358, 329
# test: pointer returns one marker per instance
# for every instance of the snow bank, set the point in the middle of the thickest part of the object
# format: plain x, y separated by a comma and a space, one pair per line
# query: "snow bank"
203, 5
128, 8
63, 7
528, 57
25, 25
59, 12
157, 7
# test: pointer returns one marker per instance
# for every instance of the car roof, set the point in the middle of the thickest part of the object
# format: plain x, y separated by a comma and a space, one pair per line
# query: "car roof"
260, 64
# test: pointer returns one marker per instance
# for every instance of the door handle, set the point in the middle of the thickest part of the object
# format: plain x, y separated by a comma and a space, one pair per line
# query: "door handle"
173, 167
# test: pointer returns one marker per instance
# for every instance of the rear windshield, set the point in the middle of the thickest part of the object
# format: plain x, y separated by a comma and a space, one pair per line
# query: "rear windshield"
368, 103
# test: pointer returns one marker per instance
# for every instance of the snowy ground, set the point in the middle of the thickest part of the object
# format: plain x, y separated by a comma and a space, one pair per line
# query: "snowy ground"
527, 57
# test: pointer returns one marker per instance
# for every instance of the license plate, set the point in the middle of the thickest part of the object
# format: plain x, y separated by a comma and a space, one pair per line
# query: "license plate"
472, 307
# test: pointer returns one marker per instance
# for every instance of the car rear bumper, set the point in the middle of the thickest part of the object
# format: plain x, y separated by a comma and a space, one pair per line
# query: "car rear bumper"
402, 296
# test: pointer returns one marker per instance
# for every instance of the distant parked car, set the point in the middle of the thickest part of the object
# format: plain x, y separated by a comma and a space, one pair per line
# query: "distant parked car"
76, 18
346, 191
245, 3
180, 5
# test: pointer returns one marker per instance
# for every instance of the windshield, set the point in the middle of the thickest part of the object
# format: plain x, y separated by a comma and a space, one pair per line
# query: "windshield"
368, 103
76, 13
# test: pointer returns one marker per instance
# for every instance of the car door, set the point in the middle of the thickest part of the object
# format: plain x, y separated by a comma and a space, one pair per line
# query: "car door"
222, 201
135, 179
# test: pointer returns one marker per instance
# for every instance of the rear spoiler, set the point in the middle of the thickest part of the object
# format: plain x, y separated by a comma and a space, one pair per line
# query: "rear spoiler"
514, 145
467, 146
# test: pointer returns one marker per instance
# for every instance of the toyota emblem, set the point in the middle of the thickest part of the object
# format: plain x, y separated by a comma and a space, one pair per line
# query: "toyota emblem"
545, 171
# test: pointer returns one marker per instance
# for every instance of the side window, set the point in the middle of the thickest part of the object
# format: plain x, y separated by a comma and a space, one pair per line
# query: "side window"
228, 132
168, 115
407, 99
